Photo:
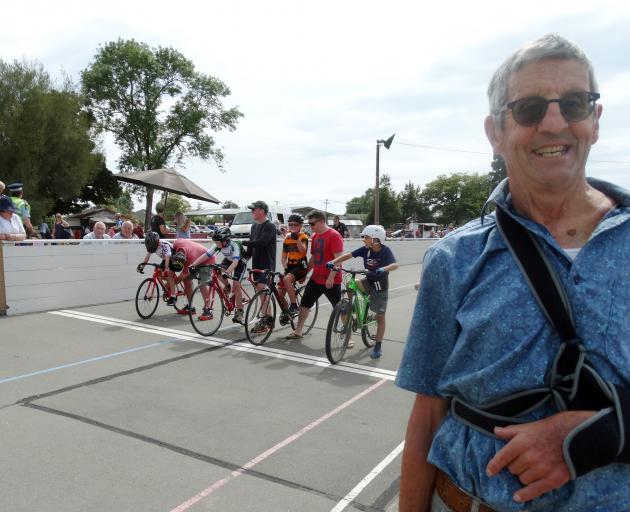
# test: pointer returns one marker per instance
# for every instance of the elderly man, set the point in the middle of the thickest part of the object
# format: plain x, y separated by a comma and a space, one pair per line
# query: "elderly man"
10, 224
126, 231
98, 233
490, 346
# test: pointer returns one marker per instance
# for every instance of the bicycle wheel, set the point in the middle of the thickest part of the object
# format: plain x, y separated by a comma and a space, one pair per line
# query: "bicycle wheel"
209, 312
312, 316
368, 330
260, 317
339, 331
147, 298
180, 295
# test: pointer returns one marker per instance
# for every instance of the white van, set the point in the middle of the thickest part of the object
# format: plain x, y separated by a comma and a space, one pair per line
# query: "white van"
242, 223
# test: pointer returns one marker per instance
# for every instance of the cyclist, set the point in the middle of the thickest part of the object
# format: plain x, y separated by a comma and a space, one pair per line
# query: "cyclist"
294, 249
185, 253
233, 265
379, 261
162, 248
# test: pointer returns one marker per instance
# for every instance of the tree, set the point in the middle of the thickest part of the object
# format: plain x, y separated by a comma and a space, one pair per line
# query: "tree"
157, 106
456, 198
498, 173
229, 204
388, 203
174, 203
412, 204
46, 140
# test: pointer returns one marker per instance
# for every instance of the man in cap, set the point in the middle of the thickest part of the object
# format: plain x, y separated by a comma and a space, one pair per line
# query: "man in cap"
10, 224
22, 208
261, 247
510, 413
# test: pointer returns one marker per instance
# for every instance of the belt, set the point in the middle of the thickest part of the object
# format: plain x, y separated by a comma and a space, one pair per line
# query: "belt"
456, 499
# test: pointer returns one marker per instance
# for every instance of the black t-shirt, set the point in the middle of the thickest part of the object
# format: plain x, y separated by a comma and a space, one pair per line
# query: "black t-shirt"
262, 246
156, 222
341, 229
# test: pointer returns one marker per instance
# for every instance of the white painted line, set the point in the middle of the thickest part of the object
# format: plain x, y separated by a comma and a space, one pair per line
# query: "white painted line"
349, 498
228, 344
259, 458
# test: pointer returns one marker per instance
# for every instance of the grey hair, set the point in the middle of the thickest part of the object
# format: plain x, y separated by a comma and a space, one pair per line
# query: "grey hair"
547, 47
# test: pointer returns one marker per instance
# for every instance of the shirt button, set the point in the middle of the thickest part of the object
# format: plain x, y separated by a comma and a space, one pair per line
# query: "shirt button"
577, 279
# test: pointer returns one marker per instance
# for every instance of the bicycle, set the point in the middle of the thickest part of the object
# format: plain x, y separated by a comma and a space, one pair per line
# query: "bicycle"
206, 313
148, 293
350, 314
260, 318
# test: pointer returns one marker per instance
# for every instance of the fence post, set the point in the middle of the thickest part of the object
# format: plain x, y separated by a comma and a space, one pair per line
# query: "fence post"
3, 295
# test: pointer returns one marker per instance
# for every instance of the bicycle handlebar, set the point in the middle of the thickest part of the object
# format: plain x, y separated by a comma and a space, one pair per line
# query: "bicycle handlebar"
352, 272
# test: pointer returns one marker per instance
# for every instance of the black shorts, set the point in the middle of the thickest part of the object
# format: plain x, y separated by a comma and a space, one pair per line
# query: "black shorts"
298, 272
313, 291
239, 270
260, 277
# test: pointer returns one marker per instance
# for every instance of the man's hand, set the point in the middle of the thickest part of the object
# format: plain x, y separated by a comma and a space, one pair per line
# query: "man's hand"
330, 265
294, 235
140, 268
330, 281
533, 453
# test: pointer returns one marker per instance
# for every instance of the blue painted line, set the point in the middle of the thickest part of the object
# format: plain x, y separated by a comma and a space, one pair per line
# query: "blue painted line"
85, 361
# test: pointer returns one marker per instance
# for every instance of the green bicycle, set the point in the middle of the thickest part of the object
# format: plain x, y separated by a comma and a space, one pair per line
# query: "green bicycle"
349, 315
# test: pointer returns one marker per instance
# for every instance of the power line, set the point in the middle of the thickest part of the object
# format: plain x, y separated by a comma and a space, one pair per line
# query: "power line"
454, 150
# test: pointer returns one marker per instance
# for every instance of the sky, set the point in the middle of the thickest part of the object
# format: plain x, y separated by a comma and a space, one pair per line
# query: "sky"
320, 82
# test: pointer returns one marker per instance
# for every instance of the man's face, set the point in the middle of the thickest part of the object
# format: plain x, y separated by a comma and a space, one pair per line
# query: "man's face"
317, 225
259, 214
553, 153
126, 230
99, 230
336, 221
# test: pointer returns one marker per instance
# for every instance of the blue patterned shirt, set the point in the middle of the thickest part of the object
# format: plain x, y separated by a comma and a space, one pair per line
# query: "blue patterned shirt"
478, 333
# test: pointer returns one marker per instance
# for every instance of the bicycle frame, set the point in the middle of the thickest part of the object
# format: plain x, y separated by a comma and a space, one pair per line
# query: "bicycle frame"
360, 300
215, 283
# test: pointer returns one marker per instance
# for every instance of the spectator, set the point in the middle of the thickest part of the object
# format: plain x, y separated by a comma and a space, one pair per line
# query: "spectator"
111, 232
137, 230
326, 245
118, 223
158, 225
182, 226
11, 227
22, 208
98, 233
44, 229
126, 232
340, 227
61, 229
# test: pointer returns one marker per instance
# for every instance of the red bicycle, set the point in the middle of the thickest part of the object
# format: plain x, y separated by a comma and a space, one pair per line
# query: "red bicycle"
210, 302
152, 288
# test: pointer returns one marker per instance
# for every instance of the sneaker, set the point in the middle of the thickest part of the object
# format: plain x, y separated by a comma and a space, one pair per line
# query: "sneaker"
238, 316
261, 326
350, 343
186, 309
294, 309
171, 300
376, 353
205, 315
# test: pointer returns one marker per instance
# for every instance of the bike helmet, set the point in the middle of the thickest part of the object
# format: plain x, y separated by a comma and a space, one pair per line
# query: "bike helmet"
376, 233
222, 235
177, 261
151, 240
296, 217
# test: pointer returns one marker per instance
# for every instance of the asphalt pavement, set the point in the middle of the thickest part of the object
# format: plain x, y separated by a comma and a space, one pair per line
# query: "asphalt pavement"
102, 411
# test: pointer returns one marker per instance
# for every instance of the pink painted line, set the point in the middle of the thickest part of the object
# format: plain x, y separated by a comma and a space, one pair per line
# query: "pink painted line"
256, 460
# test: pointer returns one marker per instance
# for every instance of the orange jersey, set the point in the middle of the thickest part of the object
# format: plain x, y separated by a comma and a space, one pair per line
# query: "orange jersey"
295, 258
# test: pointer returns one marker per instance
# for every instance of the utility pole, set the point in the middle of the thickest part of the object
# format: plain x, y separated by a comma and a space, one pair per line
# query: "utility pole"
387, 143
326, 211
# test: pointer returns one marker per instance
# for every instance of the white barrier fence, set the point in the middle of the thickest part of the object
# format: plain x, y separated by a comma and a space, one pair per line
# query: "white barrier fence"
43, 275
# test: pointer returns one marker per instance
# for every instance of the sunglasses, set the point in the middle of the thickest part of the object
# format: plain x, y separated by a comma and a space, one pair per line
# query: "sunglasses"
294, 224
312, 223
574, 107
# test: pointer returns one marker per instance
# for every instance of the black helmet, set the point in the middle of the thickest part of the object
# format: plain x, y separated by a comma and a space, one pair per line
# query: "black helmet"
177, 261
222, 235
151, 240
296, 217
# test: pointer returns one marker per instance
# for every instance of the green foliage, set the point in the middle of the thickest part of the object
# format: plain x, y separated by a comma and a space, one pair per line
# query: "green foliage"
389, 209
229, 204
412, 204
498, 173
158, 107
45, 139
175, 203
456, 198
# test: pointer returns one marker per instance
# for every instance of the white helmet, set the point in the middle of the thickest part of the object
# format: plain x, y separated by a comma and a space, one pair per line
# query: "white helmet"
374, 232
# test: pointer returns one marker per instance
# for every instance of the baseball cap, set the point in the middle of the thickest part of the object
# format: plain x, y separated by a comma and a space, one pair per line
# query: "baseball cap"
6, 205
16, 187
259, 204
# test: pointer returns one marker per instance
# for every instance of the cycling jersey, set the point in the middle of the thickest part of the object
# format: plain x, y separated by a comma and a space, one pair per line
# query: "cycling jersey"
295, 258
164, 249
232, 251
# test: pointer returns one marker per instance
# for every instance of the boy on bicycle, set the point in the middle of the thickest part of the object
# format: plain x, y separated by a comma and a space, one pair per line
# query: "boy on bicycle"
162, 248
294, 249
379, 261
233, 265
